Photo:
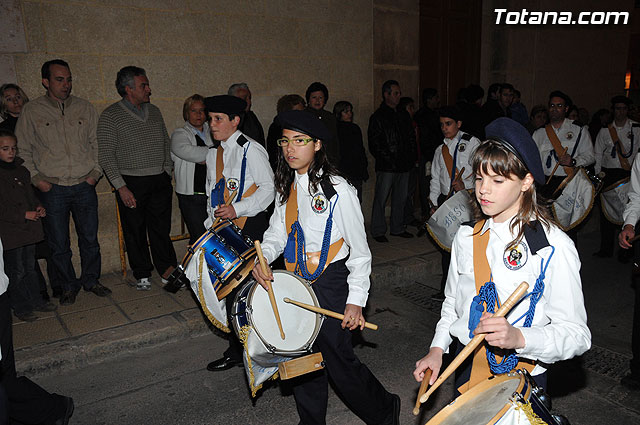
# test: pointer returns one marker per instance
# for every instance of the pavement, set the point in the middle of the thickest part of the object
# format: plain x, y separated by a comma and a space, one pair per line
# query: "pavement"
95, 330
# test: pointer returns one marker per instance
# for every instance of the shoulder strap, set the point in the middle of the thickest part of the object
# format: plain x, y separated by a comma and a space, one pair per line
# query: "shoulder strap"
242, 140
466, 136
448, 159
535, 236
618, 146
557, 146
327, 188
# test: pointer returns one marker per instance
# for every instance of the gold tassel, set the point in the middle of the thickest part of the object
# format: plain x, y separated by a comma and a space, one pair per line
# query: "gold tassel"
529, 413
207, 313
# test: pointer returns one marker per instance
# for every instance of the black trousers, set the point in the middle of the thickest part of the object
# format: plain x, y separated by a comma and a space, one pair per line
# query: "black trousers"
254, 228
635, 335
608, 230
152, 218
194, 213
24, 401
352, 380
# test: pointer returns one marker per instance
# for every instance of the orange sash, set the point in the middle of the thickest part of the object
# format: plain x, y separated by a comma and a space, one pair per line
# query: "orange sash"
557, 146
448, 159
313, 258
482, 273
239, 221
618, 145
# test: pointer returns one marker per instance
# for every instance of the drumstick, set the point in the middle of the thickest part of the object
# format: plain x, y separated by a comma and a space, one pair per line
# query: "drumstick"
272, 297
633, 239
457, 177
327, 312
423, 388
226, 204
556, 167
477, 340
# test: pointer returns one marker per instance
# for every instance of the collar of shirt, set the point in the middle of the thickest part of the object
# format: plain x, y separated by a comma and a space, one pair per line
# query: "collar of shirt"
230, 144
202, 134
627, 124
501, 230
59, 105
141, 112
451, 143
302, 182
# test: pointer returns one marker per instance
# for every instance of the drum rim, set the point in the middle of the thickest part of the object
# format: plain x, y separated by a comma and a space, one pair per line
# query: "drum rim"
428, 224
477, 390
319, 317
233, 282
588, 210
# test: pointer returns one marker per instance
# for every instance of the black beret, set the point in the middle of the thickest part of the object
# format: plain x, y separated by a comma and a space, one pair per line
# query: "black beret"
224, 104
452, 112
621, 99
518, 141
304, 122
561, 95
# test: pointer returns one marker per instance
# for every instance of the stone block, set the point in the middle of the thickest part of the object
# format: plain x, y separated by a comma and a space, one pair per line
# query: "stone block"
13, 38
265, 108
407, 78
238, 7
90, 29
264, 37
27, 334
187, 33
351, 11
33, 26
213, 75
301, 9
85, 322
147, 308
146, 4
406, 5
7, 69
395, 38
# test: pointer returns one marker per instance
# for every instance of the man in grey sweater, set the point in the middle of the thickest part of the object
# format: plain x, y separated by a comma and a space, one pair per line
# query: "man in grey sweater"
134, 152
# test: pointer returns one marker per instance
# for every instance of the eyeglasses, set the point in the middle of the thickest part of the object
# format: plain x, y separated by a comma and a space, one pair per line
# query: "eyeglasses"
556, 105
296, 142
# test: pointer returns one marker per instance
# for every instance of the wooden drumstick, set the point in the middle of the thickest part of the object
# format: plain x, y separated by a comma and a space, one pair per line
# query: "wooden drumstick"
477, 340
633, 239
272, 297
423, 388
226, 204
457, 177
327, 312
556, 167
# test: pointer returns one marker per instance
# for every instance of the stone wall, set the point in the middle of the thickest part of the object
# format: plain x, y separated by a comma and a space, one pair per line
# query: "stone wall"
195, 46
586, 62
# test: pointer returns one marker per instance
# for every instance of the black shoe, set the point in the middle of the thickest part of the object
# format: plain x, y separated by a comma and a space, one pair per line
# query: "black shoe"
395, 418
26, 316
381, 239
45, 295
438, 296
99, 289
404, 234
223, 363
603, 254
56, 293
68, 297
48, 306
631, 382
69, 407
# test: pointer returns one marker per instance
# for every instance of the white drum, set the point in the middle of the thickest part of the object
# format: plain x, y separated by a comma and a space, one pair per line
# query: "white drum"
508, 399
575, 202
256, 326
445, 222
613, 200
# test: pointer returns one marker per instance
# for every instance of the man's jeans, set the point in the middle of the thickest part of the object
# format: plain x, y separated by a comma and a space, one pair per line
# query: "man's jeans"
398, 184
81, 202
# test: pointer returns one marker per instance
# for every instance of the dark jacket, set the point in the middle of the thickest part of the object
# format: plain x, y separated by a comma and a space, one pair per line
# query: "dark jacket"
392, 140
16, 198
431, 136
273, 150
331, 146
251, 126
353, 159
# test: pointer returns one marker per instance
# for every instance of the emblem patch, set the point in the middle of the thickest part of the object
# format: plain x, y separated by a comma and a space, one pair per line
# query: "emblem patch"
462, 147
569, 135
319, 203
516, 257
232, 184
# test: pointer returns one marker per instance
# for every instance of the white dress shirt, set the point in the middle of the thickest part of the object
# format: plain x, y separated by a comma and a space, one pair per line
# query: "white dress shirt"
257, 171
348, 223
559, 330
631, 212
440, 177
604, 145
185, 153
568, 135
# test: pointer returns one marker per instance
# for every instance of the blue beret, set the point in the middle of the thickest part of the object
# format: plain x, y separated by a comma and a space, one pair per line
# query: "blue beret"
225, 104
518, 141
304, 122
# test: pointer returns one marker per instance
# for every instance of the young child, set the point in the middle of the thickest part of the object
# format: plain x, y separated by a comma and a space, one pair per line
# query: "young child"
513, 240
315, 207
20, 230
447, 176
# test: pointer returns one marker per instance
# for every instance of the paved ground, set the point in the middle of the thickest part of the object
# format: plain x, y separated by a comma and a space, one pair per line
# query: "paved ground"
140, 358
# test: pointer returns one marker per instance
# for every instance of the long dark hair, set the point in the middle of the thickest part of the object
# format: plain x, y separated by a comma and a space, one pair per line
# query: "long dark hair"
285, 175
493, 154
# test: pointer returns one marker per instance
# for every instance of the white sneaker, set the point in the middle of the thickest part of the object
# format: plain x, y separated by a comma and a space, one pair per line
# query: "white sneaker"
144, 284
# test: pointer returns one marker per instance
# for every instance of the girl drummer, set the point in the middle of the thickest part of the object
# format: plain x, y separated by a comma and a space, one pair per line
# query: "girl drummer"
513, 240
318, 225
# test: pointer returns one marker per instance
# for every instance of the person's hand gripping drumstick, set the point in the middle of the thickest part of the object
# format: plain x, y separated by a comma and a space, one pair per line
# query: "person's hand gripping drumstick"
564, 152
267, 277
222, 212
457, 184
422, 390
329, 313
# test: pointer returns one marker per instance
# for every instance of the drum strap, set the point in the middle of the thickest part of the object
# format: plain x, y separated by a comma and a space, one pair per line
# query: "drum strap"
618, 147
221, 184
294, 258
480, 369
557, 147
449, 161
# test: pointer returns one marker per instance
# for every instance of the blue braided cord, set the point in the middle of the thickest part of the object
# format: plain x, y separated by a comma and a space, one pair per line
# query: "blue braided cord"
486, 294
243, 172
217, 193
613, 151
301, 264
552, 154
453, 169
289, 253
536, 293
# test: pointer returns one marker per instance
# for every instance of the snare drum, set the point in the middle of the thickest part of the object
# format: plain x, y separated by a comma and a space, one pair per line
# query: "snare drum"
445, 222
576, 200
256, 326
509, 399
613, 200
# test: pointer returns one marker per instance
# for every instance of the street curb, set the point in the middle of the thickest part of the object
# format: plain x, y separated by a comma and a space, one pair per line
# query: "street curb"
95, 347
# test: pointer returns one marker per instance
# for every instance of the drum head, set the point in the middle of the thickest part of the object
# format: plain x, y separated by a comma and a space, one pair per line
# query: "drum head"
300, 326
483, 404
